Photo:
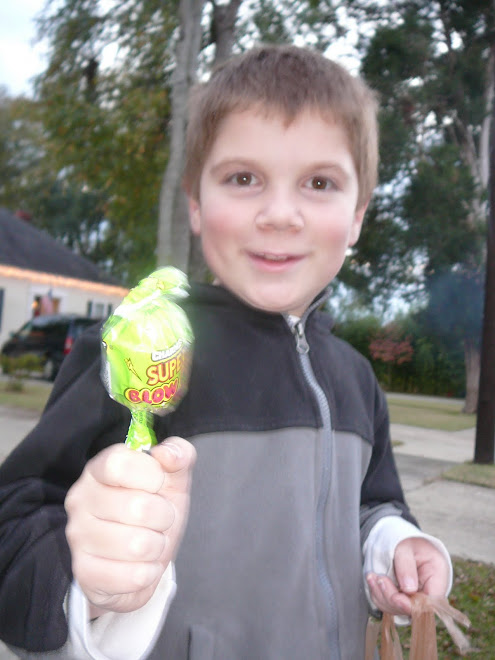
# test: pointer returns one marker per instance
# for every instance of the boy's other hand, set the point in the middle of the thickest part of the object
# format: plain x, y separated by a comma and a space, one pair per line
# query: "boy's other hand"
419, 566
126, 516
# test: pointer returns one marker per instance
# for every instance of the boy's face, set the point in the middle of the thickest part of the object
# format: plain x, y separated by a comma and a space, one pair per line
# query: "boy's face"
277, 208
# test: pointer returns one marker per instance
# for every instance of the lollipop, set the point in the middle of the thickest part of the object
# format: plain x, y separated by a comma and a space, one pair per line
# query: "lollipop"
146, 350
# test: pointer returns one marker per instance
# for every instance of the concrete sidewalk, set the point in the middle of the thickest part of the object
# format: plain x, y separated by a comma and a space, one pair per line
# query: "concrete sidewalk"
461, 515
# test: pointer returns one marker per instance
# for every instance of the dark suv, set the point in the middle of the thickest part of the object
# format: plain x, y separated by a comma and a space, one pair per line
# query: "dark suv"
50, 337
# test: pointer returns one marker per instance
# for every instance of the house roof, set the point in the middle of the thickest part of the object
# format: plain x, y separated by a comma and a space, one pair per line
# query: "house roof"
24, 246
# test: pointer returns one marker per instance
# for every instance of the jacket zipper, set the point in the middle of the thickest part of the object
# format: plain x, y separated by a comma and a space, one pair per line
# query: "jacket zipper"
298, 329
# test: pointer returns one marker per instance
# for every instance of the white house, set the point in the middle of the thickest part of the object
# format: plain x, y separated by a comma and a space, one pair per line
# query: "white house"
40, 275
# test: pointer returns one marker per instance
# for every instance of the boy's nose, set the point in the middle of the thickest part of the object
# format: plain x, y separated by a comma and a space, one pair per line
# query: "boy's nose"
280, 212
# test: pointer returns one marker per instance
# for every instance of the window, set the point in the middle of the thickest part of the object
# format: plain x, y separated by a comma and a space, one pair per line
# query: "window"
95, 310
45, 304
98, 310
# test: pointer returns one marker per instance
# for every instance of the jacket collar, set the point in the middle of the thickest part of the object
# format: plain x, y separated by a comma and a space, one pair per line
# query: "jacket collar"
217, 294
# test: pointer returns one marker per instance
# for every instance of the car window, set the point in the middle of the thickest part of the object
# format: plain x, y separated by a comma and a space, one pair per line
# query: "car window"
24, 331
80, 325
56, 330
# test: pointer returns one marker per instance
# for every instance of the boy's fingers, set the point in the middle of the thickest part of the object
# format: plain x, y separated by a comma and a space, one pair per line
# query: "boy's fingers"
119, 583
176, 457
405, 567
119, 465
386, 597
129, 507
109, 540
420, 566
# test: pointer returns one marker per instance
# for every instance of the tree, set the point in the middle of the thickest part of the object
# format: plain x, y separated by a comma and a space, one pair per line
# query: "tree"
23, 167
429, 63
485, 424
105, 118
173, 228
175, 244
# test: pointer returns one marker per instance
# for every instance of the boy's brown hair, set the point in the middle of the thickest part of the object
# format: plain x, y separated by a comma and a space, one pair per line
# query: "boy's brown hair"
284, 80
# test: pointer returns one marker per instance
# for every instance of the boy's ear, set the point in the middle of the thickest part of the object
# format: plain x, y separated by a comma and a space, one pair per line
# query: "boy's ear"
357, 224
194, 215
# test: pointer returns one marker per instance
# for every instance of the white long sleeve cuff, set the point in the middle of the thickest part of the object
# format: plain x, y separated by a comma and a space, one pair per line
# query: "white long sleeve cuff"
119, 636
379, 550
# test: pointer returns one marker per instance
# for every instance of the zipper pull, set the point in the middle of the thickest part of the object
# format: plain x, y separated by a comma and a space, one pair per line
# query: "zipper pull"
301, 341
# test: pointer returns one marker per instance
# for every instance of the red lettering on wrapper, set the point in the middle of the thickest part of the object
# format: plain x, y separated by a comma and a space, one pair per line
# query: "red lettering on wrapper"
133, 395
153, 397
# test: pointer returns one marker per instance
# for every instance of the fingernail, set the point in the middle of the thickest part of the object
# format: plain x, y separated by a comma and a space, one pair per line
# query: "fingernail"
409, 584
381, 584
174, 449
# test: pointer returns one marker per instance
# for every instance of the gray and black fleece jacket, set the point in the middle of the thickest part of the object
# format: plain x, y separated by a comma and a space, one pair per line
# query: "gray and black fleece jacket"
294, 468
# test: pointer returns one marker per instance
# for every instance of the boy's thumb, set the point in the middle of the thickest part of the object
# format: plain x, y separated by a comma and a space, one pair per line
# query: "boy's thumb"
175, 454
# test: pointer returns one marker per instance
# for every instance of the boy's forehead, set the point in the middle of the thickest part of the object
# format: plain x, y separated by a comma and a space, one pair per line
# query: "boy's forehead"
274, 112
260, 134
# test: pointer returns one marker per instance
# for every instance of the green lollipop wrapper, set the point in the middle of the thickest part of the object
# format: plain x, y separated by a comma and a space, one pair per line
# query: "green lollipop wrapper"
147, 351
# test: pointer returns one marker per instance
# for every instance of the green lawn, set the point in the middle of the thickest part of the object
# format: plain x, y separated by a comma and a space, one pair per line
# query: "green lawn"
32, 397
473, 593
469, 473
429, 413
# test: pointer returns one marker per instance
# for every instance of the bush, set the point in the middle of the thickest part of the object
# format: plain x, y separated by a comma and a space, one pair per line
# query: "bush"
19, 368
434, 367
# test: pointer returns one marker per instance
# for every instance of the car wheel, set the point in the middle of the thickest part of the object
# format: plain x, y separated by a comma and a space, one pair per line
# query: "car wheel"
50, 369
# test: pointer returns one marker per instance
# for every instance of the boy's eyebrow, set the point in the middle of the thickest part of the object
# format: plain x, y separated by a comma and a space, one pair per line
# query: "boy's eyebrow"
233, 162
331, 165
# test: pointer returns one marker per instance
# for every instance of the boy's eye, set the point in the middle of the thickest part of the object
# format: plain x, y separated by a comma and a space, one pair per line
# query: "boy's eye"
243, 179
319, 183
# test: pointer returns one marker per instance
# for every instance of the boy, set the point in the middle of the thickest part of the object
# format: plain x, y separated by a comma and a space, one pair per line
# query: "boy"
294, 484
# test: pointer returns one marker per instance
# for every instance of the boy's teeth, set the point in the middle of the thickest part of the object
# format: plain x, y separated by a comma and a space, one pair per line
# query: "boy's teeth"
274, 257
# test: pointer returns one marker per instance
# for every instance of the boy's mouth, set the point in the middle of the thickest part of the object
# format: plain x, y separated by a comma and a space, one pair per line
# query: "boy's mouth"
274, 258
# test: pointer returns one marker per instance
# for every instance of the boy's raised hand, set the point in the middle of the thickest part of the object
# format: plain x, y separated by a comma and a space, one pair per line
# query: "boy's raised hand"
126, 516
419, 566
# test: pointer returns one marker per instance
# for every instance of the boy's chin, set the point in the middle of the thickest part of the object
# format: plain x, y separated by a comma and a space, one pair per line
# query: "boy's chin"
263, 304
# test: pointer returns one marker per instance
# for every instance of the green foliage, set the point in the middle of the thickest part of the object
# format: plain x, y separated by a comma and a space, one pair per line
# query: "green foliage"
18, 369
381, 261
310, 22
438, 207
429, 65
106, 126
436, 367
396, 54
22, 153
359, 333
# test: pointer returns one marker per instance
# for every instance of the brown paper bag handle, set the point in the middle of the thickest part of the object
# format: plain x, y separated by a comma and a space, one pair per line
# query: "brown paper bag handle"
423, 630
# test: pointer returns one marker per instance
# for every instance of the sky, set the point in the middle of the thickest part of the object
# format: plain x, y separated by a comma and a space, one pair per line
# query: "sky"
20, 57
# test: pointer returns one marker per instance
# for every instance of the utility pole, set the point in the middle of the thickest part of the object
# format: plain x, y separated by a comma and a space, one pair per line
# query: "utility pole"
484, 450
